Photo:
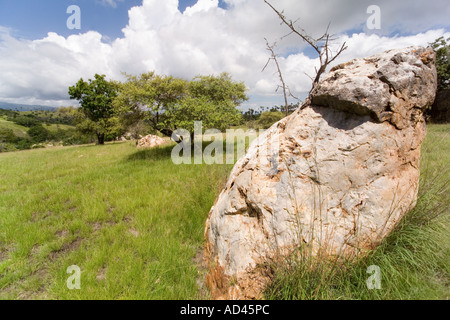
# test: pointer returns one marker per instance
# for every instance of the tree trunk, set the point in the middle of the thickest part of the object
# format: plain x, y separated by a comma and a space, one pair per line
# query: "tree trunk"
166, 132
101, 138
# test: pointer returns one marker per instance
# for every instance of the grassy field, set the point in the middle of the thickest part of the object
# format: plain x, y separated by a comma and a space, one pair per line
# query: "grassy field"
18, 130
133, 222
21, 131
55, 127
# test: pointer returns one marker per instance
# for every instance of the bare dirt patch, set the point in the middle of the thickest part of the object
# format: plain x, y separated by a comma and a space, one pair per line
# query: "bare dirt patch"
202, 265
134, 232
62, 233
66, 248
38, 216
101, 275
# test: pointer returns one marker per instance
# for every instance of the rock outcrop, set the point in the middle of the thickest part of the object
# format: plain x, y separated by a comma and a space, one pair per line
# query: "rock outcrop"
337, 175
151, 141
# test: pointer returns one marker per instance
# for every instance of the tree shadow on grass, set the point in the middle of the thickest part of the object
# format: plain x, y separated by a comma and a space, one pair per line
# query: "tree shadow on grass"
153, 154
164, 152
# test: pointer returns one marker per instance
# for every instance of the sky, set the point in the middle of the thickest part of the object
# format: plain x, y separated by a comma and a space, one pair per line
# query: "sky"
40, 57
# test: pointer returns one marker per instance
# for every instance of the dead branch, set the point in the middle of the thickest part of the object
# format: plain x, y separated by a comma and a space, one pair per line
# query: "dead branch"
320, 45
273, 57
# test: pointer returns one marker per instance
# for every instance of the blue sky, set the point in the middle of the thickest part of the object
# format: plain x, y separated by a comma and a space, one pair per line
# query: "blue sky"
33, 19
40, 57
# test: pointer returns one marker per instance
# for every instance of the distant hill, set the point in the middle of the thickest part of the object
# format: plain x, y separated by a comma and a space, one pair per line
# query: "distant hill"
24, 107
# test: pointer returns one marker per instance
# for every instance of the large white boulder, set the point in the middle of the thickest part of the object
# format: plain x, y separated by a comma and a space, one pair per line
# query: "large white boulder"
345, 172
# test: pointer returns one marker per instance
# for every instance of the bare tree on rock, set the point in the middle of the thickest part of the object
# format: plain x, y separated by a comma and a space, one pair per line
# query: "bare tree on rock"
321, 45
286, 91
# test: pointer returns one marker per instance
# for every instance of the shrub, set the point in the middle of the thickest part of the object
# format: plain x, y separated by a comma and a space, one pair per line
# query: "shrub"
7, 147
268, 118
7, 136
23, 144
26, 121
39, 134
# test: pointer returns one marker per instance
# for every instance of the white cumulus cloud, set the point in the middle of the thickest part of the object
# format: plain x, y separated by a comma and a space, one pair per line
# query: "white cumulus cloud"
206, 39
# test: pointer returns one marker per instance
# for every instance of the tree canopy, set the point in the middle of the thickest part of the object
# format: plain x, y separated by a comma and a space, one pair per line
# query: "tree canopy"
168, 103
268, 118
149, 97
97, 115
442, 49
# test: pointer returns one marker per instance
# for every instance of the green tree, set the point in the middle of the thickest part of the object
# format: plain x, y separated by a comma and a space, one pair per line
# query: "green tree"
268, 118
10, 142
39, 134
65, 115
25, 120
168, 103
23, 144
442, 49
7, 136
149, 97
212, 115
213, 100
97, 114
7, 139
221, 89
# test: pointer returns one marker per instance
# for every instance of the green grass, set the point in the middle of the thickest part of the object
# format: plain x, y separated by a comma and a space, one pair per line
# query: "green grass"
55, 127
414, 260
21, 131
133, 222
18, 130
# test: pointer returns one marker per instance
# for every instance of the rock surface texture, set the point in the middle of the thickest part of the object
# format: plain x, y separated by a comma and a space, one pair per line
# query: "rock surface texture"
338, 174
151, 141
